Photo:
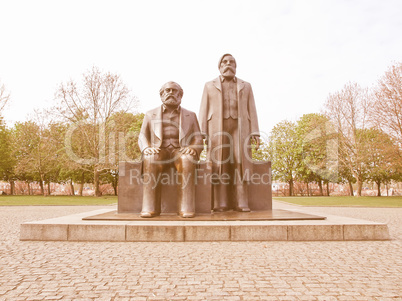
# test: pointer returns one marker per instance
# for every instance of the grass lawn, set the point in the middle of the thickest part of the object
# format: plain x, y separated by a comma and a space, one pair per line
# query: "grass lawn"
346, 201
38, 200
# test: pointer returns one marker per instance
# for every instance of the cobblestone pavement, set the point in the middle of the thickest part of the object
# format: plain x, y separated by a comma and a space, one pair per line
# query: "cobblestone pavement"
365, 270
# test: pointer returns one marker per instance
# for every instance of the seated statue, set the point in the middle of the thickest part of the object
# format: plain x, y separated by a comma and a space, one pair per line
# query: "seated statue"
170, 137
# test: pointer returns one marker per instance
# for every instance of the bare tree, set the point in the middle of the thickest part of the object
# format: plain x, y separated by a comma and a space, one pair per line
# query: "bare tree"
386, 112
89, 110
348, 109
4, 97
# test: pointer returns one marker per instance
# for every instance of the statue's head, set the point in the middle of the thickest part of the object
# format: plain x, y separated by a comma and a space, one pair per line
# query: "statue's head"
171, 94
227, 66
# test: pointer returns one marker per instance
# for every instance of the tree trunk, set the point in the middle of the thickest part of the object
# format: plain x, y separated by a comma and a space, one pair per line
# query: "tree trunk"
82, 184
29, 188
115, 189
72, 187
378, 188
291, 187
114, 184
49, 192
42, 188
320, 185
12, 187
96, 183
328, 188
351, 188
359, 187
308, 190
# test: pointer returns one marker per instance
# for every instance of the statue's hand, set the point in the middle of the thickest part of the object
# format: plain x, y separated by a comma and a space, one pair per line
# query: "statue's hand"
151, 151
256, 140
188, 151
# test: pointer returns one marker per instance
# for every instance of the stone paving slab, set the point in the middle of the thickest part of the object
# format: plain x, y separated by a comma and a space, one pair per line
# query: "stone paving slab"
78, 228
222, 270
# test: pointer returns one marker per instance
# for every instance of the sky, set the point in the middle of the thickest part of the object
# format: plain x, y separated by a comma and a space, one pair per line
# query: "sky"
294, 53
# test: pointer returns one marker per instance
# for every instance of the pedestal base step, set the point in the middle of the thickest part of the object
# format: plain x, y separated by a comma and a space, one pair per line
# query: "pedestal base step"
74, 228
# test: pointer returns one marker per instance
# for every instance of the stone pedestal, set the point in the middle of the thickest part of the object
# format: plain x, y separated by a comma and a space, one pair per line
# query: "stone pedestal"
291, 227
130, 188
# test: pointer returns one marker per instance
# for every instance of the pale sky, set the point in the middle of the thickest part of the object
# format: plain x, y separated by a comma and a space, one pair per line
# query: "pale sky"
294, 53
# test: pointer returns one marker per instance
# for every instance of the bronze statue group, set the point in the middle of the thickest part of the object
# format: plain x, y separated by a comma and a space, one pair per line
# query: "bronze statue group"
172, 136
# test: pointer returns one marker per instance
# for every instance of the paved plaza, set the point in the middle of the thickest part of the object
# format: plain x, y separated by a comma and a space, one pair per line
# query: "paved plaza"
338, 270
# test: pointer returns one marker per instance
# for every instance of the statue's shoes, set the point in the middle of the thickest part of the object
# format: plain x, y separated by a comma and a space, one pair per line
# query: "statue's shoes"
221, 209
243, 209
147, 214
187, 214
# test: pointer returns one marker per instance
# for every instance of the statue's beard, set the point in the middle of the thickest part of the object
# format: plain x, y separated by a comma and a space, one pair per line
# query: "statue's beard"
172, 101
229, 71
229, 68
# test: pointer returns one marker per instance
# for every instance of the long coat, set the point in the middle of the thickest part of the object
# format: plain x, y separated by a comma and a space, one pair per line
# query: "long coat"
189, 130
211, 123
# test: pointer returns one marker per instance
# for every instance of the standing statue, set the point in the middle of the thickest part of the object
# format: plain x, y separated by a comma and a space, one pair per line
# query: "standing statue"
170, 136
228, 119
